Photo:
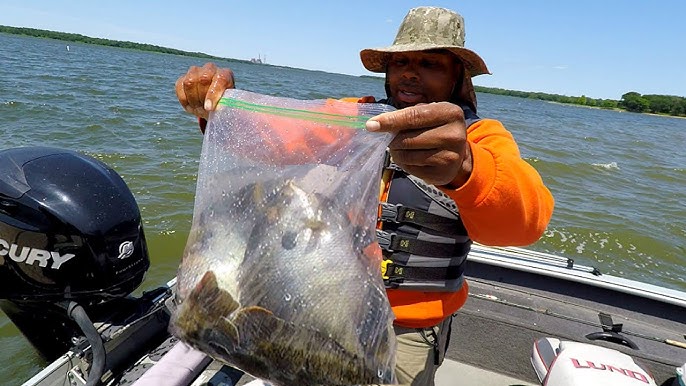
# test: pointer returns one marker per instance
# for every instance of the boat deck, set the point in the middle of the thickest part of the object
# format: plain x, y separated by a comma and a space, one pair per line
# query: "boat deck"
451, 373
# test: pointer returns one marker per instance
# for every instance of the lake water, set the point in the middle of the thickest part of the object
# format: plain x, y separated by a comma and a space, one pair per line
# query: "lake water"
618, 178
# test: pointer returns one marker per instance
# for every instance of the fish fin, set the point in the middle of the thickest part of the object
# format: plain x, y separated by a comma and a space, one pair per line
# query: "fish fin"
204, 306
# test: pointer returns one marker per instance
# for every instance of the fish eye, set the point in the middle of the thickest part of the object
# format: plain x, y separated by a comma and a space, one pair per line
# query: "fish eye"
289, 240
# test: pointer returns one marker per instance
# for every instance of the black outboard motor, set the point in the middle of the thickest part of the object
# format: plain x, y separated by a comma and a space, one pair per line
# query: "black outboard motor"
71, 241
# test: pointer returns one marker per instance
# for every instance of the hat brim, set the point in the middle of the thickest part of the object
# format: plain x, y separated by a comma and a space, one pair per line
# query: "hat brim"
374, 59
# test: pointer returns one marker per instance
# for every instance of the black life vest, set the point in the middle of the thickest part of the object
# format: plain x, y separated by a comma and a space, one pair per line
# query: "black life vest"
423, 239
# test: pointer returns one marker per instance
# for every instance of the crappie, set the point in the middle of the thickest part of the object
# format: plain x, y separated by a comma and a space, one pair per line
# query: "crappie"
289, 297
218, 239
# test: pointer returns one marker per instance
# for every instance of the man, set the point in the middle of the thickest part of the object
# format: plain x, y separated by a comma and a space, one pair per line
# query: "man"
451, 178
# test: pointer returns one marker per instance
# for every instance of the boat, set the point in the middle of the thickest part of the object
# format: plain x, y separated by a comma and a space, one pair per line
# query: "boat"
516, 297
520, 300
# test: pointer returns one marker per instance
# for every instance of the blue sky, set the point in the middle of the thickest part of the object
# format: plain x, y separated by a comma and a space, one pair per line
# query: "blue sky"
597, 48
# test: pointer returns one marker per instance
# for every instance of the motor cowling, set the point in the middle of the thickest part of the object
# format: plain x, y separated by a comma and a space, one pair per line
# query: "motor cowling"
566, 363
70, 228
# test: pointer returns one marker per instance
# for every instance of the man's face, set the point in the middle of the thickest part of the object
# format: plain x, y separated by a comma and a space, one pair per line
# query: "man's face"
422, 77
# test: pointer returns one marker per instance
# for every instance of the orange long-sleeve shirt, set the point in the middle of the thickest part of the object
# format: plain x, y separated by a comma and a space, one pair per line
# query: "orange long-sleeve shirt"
504, 202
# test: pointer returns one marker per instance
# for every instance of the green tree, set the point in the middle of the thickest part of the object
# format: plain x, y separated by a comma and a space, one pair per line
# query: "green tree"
679, 108
633, 101
608, 104
660, 104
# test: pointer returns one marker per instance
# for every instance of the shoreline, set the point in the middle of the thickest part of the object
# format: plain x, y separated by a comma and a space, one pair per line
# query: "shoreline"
617, 110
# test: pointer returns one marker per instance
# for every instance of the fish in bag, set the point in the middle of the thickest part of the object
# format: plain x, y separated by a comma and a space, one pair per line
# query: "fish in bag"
280, 275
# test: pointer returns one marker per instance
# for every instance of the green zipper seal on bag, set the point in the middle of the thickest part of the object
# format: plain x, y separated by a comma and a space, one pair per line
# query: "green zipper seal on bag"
354, 121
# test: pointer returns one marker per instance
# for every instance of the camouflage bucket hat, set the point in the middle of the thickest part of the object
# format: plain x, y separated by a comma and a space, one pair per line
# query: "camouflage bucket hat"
427, 28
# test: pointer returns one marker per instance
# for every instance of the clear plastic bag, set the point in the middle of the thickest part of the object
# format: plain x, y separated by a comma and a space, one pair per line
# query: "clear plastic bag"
280, 276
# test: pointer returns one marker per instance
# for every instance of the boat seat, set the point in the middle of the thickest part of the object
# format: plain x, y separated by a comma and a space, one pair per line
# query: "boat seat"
566, 363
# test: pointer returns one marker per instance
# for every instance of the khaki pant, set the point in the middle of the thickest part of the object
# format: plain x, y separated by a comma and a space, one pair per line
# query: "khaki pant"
420, 351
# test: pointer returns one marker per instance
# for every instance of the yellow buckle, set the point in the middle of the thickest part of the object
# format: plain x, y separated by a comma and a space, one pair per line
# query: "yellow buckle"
384, 268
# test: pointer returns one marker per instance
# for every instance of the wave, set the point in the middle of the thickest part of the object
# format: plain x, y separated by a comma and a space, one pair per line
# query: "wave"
620, 252
607, 166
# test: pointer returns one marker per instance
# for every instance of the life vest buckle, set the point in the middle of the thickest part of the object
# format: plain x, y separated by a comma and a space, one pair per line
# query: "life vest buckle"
391, 273
385, 239
384, 268
389, 212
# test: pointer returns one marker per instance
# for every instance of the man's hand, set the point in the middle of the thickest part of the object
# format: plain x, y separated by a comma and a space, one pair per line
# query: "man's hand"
430, 142
201, 88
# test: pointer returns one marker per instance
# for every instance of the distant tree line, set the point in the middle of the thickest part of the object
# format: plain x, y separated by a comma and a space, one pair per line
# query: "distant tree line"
655, 104
631, 101
582, 100
70, 37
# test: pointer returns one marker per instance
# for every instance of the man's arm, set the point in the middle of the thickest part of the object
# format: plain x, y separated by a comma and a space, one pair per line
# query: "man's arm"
504, 202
